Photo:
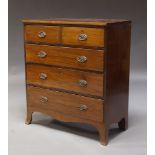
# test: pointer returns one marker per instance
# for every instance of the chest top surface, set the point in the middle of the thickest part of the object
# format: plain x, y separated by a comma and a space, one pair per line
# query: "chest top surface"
82, 21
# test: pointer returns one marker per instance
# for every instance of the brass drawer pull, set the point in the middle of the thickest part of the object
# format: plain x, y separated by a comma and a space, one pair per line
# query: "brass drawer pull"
42, 34
43, 99
82, 37
81, 59
42, 54
43, 76
82, 83
83, 107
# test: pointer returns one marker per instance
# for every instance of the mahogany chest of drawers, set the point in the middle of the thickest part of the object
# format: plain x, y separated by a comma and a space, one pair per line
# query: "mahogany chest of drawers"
78, 71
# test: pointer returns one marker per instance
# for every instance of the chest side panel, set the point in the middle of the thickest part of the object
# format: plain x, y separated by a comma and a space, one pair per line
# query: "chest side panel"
117, 57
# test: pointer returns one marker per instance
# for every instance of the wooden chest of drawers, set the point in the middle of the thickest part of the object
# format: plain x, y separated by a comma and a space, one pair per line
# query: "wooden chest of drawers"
78, 71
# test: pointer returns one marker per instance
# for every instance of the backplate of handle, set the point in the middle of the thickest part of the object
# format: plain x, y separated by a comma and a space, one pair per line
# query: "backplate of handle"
83, 83
43, 76
41, 34
81, 59
42, 54
82, 37
83, 107
43, 99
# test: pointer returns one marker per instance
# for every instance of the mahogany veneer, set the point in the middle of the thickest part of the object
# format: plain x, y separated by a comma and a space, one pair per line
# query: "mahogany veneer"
77, 70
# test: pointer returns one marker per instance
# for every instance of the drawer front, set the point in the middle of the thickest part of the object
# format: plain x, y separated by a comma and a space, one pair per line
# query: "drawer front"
83, 36
44, 100
65, 79
64, 56
42, 34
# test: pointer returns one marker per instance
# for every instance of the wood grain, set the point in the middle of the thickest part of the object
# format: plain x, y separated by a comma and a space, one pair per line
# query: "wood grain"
106, 72
84, 21
65, 79
117, 57
95, 38
52, 34
64, 103
65, 56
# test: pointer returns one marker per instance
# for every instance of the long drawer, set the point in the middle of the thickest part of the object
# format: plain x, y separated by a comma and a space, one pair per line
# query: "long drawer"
66, 79
86, 59
44, 100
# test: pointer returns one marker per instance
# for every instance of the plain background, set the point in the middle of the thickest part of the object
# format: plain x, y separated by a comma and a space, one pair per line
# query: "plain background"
45, 136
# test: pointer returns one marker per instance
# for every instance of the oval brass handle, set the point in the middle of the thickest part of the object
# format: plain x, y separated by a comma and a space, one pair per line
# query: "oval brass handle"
82, 59
42, 34
42, 54
43, 76
82, 37
82, 83
43, 99
83, 107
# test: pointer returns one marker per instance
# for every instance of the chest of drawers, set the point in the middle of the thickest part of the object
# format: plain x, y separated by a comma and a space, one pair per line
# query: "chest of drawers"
78, 71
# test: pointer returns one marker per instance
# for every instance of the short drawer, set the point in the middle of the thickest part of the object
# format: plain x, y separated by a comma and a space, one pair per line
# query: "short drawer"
44, 100
42, 34
65, 79
63, 56
83, 36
